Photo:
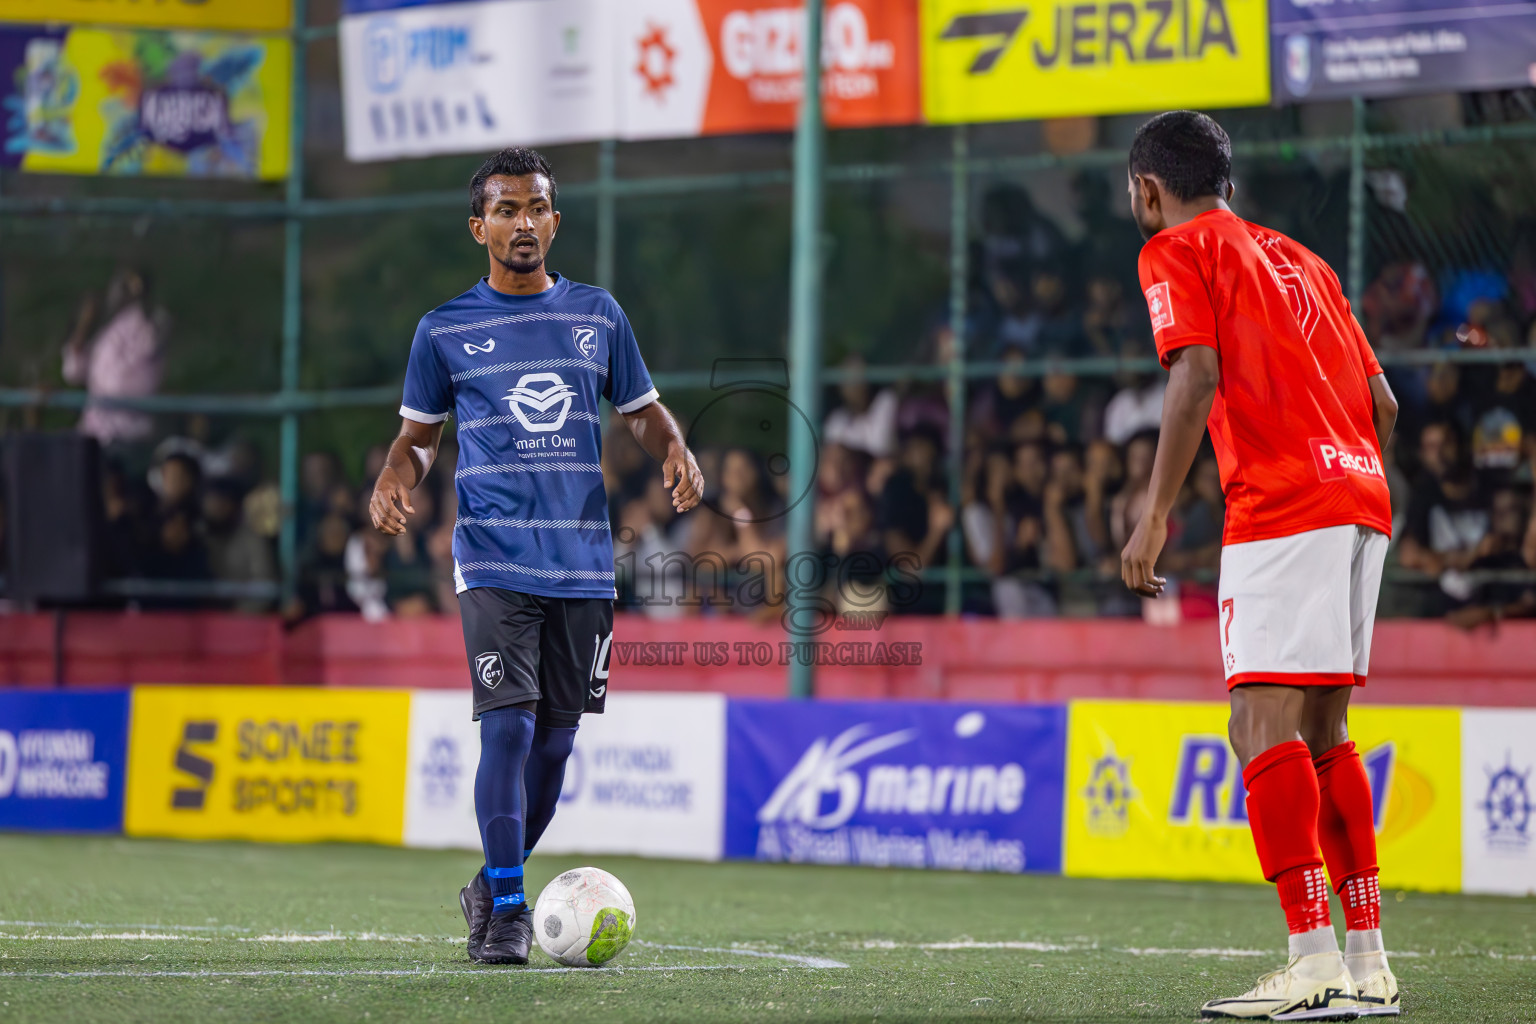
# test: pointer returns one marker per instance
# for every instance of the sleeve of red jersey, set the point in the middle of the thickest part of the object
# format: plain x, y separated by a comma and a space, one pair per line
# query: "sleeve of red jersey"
1178, 298
1367, 356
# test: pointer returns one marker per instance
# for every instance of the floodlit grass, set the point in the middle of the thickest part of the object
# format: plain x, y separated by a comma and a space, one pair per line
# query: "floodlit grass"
136, 930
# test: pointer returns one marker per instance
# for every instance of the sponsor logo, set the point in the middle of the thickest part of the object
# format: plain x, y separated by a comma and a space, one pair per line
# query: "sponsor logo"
51, 764
804, 817
1109, 795
440, 771
542, 409
1335, 461
762, 49
585, 339
184, 117
390, 53
1298, 64
470, 348
488, 669
1507, 807
190, 762
655, 62
998, 27
1159, 306
1208, 785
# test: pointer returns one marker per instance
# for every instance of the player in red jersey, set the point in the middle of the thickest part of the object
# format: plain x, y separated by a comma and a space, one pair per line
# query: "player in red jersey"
1261, 347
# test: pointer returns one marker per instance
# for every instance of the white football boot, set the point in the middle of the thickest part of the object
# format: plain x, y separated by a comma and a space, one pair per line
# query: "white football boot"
1315, 987
1376, 994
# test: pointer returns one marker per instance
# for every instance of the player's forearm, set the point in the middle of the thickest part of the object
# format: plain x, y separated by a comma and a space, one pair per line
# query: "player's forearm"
1383, 409
1192, 385
410, 459
656, 431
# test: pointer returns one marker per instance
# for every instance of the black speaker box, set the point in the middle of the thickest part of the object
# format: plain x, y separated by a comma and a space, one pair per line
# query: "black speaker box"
53, 517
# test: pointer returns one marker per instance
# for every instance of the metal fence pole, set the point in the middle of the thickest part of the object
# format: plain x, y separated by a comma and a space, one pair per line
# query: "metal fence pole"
805, 343
959, 273
293, 310
1355, 271
607, 227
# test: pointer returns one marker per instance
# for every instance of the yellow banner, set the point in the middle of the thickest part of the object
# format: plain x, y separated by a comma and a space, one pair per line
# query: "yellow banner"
128, 101
218, 14
1001, 60
219, 762
1154, 791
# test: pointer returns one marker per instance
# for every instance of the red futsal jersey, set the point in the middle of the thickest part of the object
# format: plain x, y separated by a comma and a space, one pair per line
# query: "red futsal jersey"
1292, 421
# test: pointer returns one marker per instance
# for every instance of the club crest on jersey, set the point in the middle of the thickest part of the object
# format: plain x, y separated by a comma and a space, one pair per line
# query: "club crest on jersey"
586, 340
488, 669
1159, 306
541, 408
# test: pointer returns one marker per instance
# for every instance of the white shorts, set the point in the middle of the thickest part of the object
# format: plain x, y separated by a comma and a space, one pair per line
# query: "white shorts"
1298, 610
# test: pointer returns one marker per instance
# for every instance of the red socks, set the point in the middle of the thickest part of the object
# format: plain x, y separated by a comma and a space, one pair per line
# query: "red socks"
1283, 804
1346, 828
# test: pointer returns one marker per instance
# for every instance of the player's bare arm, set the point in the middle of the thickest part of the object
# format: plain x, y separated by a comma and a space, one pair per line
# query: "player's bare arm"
1194, 373
655, 428
410, 456
1384, 408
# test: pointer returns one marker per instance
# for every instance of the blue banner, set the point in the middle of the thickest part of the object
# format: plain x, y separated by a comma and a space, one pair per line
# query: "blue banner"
1330, 49
61, 760
896, 784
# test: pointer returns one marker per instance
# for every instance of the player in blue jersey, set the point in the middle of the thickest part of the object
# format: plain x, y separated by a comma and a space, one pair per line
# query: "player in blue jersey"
520, 361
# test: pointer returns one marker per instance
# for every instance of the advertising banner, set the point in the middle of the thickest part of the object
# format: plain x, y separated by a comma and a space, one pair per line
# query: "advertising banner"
709, 67
467, 77
178, 104
898, 784
270, 15
61, 760
439, 78
1498, 800
1333, 49
999, 60
1154, 791
647, 777
230, 762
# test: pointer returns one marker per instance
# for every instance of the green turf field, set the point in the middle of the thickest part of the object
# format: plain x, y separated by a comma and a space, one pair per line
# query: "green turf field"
136, 930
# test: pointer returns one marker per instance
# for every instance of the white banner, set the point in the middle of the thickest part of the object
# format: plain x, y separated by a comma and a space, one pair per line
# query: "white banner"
647, 777
453, 78
1498, 801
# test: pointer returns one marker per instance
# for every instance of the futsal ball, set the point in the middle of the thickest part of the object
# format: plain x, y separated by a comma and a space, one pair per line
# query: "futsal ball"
584, 918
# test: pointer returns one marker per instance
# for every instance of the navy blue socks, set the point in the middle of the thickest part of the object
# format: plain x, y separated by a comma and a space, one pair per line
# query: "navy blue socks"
543, 777
506, 737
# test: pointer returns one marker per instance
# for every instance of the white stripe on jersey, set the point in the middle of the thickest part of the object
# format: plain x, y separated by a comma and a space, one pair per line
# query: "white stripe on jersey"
544, 574
522, 318
539, 524
530, 467
489, 421
535, 364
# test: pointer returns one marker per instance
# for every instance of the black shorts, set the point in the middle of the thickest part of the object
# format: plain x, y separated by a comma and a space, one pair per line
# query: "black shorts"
525, 647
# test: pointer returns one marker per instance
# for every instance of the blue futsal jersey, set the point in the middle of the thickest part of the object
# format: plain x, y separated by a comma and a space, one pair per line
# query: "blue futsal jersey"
522, 375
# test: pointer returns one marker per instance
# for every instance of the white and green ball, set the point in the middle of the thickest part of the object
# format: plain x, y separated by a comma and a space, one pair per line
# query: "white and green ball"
584, 918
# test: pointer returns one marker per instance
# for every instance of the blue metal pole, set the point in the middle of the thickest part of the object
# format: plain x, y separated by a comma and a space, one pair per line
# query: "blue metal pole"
805, 344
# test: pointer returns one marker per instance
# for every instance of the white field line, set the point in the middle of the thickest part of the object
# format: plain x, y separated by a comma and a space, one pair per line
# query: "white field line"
1093, 947
370, 973
141, 927
818, 962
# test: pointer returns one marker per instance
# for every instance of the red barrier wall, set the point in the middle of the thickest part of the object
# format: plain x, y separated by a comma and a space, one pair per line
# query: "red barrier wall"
1042, 660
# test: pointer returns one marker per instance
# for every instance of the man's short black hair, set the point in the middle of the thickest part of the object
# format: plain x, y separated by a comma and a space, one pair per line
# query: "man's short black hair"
514, 162
1187, 151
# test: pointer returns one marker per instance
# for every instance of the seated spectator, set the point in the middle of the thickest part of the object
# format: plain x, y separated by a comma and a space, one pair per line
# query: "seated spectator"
858, 559
1126, 506
1447, 511
650, 534
1106, 320
1504, 423
1000, 402
1004, 535
913, 513
1060, 328
235, 553
1399, 306
176, 482
1137, 406
322, 584
1076, 530
1510, 544
1016, 323
865, 420
179, 554
1195, 544
407, 569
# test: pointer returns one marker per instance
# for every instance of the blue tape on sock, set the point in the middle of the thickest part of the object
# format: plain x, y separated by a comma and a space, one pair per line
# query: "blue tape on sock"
505, 902
516, 872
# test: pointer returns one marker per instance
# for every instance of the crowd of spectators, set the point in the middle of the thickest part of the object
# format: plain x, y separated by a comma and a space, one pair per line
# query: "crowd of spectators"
1053, 469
